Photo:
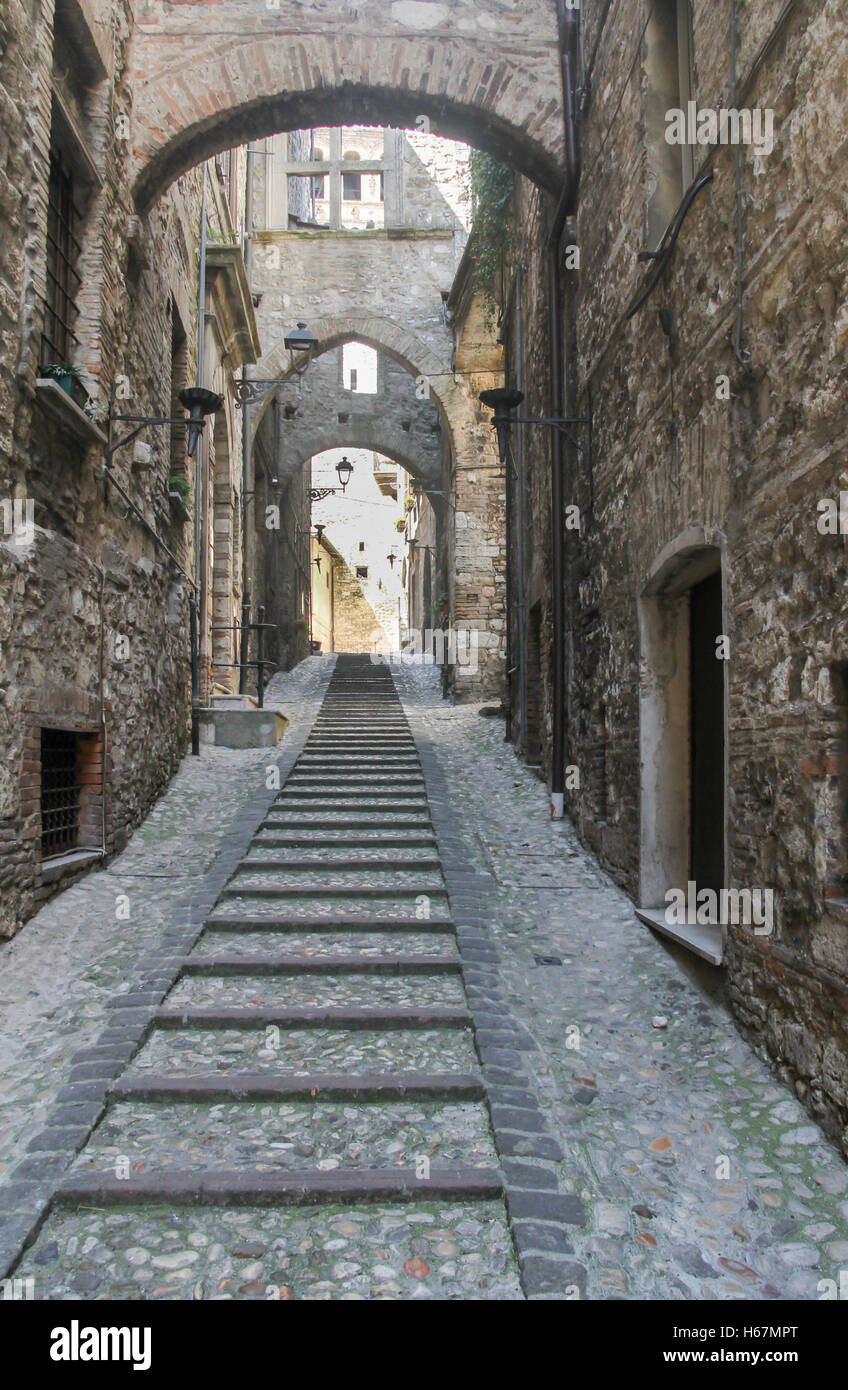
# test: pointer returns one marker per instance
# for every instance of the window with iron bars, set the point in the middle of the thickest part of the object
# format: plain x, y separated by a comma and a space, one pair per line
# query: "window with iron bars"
60, 791
58, 339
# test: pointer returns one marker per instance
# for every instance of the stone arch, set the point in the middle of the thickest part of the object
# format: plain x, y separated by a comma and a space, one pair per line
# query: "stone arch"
342, 437
208, 78
388, 337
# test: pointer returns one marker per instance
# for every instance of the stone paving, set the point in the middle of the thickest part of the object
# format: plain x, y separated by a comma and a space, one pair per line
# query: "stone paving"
700, 1176
647, 1152
59, 974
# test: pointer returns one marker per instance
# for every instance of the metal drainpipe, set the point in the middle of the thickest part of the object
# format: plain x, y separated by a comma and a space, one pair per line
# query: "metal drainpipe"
569, 28
199, 578
246, 473
519, 517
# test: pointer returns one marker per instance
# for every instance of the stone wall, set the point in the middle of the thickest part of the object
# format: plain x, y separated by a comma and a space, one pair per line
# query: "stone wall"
94, 630
718, 430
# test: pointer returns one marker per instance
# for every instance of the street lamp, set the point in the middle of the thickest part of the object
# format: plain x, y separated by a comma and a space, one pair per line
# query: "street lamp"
300, 340
503, 402
344, 468
199, 402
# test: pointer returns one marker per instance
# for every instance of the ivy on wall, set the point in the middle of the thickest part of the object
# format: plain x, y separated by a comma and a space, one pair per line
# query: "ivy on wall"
492, 185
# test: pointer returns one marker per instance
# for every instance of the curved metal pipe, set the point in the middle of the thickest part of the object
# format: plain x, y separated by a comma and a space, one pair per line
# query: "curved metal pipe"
663, 255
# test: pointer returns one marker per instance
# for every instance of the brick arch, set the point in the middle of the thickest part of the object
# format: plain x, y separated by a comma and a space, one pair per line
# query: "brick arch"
209, 77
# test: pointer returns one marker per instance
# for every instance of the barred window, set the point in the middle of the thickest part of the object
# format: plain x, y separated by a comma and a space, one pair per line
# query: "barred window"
58, 339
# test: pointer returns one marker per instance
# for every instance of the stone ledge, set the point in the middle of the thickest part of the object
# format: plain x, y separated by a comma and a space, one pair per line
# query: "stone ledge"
68, 415
53, 869
706, 942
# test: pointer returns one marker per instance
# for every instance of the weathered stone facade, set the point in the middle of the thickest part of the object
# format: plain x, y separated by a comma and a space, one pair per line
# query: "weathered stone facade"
718, 428
95, 632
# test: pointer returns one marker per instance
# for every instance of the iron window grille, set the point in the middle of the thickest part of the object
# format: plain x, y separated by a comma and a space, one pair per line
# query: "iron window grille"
60, 791
58, 338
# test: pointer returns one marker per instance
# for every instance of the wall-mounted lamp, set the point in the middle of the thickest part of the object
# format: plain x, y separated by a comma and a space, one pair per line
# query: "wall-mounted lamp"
301, 344
504, 402
199, 402
344, 468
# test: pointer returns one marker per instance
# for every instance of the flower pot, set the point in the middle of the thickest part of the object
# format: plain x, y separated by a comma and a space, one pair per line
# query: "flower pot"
70, 383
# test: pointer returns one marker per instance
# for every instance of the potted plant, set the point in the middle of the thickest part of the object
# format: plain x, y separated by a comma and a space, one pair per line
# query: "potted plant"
69, 379
180, 487
301, 627
179, 490
400, 524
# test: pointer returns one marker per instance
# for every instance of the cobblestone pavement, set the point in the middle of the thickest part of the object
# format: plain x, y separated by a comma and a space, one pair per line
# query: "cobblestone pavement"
645, 1151
699, 1175
59, 974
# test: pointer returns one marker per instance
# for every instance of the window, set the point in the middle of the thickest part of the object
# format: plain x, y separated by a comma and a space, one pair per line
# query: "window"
352, 188
58, 339
670, 85
179, 379
361, 545
360, 368
362, 571
59, 792
71, 791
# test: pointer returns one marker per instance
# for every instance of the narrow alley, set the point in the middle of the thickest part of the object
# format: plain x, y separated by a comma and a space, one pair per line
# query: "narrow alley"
288, 1093
424, 669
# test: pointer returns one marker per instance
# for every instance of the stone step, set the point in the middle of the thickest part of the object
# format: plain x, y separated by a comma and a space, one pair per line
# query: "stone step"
331, 891
318, 946
308, 1016
379, 861
329, 964
330, 1086
348, 820
276, 1042
351, 797
278, 1188
325, 839
317, 990
440, 926
219, 1124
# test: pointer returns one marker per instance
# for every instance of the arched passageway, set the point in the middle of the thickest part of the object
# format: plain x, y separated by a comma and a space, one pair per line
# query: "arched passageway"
211, 77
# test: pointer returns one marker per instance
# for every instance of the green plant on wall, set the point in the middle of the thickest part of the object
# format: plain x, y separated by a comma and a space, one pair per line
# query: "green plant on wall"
492, 185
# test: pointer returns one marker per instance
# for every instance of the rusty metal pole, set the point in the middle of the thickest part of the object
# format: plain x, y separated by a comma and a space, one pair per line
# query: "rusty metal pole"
260, 657
195, 677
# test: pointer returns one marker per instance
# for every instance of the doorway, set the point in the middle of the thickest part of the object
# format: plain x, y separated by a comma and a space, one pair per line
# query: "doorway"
706, 736
683, 740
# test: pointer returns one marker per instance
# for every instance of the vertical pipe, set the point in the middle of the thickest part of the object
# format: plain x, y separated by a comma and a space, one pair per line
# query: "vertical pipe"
195, 681
199, 463
568, 24
201, 333
519, 518
245, 639
246, 461
260, 657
